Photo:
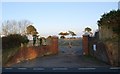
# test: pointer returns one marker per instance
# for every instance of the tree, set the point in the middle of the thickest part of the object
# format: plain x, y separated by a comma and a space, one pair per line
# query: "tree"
111, 20
31, 30
72, 33
22, 26
88, 31
63, 34
14, 27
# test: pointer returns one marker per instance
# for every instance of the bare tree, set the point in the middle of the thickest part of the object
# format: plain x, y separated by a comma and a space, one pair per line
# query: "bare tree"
5, 28
23, 25
14, 27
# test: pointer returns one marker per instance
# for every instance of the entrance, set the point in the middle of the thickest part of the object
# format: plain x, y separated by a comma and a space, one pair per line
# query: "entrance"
71, 46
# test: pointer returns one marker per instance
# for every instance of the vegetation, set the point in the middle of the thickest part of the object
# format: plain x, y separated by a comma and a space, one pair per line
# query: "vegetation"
14, 27
111, 20
11, 44
14, 34
72, 33
109, 24
87, 29
62, 37
63, 34
31, 30
13, 40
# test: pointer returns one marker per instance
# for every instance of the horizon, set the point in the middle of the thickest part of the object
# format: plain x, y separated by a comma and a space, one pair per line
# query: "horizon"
51, 18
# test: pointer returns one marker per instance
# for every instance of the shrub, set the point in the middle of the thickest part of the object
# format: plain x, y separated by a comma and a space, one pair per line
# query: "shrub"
24, 39
62, 37
13, 40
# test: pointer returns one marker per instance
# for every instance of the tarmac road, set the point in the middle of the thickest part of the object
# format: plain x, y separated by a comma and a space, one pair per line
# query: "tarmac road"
67, 57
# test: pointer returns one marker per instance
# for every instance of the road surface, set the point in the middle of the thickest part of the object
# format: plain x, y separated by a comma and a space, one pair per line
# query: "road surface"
67, 57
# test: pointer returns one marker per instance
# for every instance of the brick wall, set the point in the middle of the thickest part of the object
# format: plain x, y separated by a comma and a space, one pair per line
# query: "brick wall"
106, 51
32, 52
99, 52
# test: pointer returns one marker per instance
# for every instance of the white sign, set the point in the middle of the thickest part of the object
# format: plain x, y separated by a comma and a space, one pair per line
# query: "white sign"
94, 47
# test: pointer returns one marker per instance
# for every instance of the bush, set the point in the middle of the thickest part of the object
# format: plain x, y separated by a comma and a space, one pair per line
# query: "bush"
13, 40
62, 37
24, 39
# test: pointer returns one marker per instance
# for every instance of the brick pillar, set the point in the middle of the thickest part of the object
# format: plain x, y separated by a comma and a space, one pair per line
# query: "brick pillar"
54, 45
85, 44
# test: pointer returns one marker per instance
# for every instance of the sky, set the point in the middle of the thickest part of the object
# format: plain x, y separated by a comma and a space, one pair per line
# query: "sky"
51, 18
